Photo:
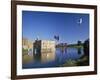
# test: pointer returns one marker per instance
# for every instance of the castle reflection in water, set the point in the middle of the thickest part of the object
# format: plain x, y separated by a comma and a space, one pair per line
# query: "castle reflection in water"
45, 53
44, 50
39, 50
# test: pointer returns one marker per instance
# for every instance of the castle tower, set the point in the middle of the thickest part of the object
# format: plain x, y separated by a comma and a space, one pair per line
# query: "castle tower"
44, 50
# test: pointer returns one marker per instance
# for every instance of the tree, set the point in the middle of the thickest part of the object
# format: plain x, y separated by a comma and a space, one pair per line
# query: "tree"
79, 43
79, 48
86, 47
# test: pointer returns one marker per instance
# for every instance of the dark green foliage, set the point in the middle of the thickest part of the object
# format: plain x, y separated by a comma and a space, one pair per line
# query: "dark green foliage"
86, 47
79, 42
84, 60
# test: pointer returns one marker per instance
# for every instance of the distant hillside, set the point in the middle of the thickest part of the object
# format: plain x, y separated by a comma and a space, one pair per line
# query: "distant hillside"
75, 45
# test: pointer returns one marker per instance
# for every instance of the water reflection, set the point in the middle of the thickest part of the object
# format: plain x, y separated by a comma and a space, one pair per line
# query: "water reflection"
61, 56
63, 50
79, 50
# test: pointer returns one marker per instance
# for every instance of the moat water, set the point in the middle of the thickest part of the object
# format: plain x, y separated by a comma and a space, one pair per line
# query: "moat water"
61, 58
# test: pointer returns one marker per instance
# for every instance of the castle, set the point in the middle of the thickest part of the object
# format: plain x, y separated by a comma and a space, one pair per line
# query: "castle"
42, 50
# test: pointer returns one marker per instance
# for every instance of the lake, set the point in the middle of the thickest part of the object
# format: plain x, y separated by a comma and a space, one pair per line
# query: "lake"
61, 58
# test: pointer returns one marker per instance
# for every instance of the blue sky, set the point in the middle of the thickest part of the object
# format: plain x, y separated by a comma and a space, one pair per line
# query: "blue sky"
47, 24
